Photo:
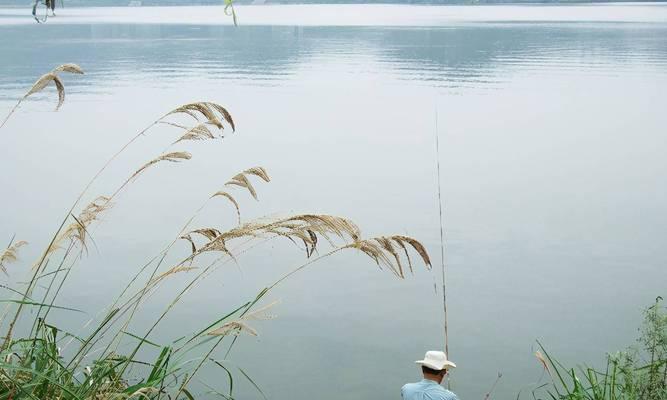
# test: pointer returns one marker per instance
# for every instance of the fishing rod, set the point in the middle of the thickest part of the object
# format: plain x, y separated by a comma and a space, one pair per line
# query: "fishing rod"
442, 257
442, 237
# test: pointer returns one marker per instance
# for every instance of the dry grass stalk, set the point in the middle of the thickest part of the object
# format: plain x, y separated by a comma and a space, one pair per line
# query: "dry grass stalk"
69, 67
239, 325
78, 230
304, 228
233, 328
174, 270
232, 200
176, 156
52, 76
543, 361
44, 81
242, 180
383, 250
10, 254
205, 111
260, 314
197, 132
259, 172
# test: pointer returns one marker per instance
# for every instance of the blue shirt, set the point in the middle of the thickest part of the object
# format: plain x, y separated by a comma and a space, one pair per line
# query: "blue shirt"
426, 390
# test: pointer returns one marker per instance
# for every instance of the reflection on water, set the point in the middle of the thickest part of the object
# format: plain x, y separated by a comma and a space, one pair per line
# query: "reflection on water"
464, 56
553, 150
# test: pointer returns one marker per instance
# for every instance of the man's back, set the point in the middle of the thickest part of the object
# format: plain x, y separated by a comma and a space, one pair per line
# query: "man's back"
426, 389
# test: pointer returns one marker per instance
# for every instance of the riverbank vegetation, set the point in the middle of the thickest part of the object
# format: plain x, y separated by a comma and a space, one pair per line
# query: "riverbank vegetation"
637, 373
40, 360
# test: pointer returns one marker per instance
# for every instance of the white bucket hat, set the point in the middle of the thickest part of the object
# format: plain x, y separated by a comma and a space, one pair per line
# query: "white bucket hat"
436, 360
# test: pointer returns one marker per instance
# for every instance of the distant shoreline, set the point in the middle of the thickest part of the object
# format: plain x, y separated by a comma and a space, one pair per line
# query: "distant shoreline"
421, 15
179, 3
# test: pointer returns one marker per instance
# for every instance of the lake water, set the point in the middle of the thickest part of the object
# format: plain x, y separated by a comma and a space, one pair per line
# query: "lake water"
552, 127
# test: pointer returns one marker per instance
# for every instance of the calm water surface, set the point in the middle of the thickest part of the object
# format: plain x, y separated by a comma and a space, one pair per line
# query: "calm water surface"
552, 129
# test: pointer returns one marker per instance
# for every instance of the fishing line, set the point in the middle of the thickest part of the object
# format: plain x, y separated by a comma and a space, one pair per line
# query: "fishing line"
493, 387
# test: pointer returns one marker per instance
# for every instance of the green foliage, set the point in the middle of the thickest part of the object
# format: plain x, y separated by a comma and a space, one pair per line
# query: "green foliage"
229, 11
638, 373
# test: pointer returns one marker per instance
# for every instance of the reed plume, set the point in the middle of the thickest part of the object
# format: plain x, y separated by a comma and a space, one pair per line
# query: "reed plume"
197, 132
234, 328
170, 272
204, 111
232, 200
242, 180
239, 325
304, 228
176, 156
383, 250
10, 254
542, 361
77, 231
44, 81
377, 249
69, 67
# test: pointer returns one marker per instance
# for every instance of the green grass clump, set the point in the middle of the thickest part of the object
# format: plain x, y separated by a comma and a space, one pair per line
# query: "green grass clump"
638, 373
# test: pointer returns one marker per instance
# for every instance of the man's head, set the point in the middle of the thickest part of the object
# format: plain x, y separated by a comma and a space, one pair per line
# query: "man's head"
434, 374
435, 365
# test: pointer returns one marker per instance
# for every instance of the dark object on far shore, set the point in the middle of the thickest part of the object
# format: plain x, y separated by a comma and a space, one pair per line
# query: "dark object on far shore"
49, 4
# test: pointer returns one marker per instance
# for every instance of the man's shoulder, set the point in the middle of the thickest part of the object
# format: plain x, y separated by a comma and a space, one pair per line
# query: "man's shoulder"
449, 395
435, 392
440, 393
408, 388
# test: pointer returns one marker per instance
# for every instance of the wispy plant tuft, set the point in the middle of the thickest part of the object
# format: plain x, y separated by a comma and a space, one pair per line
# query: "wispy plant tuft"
77, 230
242, 180
71, 68
384, 251
176, 156
43, 82
206, 112
197, 132
10, 254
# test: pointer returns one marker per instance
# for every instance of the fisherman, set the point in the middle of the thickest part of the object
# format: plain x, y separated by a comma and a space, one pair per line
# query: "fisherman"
435, 366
